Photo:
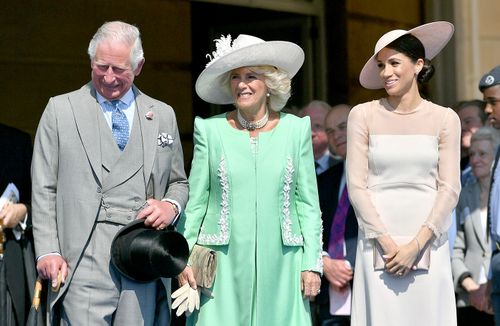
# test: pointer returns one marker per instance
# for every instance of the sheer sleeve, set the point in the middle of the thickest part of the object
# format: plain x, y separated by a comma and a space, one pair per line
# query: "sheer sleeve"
357, 173
448, 178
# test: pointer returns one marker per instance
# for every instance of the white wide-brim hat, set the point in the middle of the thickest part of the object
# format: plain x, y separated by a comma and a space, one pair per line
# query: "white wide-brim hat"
245, 51
434, 36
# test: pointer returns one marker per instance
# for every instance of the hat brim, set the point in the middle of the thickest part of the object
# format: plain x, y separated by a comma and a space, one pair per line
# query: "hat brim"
211, 83
134, 260
434, 37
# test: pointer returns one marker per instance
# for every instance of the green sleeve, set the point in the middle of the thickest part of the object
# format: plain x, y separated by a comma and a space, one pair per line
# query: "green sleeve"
308, 203
190, 222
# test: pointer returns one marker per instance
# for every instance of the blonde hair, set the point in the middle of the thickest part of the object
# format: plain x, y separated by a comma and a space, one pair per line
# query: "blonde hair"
279, 85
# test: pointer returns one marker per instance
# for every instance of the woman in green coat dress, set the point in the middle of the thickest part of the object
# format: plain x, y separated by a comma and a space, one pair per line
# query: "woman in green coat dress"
253, 196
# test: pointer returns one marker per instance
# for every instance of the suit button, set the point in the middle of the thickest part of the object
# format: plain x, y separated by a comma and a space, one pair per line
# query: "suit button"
98, 190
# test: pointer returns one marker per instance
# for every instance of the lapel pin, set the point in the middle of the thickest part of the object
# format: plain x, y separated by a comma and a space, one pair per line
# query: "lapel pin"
149, 115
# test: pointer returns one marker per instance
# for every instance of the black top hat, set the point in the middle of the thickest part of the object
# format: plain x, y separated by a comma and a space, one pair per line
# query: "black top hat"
144, 254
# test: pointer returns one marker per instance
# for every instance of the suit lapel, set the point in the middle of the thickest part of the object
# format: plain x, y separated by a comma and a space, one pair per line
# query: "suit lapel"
149, 131
328, 188
475, 207
85, 110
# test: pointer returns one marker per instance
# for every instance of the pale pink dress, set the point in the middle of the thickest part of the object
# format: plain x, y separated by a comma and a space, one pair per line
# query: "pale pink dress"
403, 172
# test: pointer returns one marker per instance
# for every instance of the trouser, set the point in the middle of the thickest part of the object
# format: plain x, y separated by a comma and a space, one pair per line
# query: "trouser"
495, 290
99, 295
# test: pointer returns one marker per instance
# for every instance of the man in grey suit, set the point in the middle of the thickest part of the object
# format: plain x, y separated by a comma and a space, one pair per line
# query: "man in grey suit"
104, 155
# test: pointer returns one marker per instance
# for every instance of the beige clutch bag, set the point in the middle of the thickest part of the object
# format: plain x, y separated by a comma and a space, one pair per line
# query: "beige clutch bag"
203, 262
424, 260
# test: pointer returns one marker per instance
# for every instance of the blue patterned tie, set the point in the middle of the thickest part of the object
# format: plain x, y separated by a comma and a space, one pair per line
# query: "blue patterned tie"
119, 125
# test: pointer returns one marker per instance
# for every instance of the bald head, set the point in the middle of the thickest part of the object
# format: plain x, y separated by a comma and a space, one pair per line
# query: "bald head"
336, 129
317, 111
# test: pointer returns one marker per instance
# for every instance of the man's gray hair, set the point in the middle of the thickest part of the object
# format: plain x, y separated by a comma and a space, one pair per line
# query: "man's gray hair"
122, 32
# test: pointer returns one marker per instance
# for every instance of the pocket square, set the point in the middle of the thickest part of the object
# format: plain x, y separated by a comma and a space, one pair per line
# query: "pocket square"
164, 139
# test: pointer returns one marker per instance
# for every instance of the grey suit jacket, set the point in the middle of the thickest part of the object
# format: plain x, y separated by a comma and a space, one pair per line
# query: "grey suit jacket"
67, 169
471, 249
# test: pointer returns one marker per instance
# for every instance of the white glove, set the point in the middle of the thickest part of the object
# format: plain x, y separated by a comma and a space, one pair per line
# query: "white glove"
193, 300
186, 299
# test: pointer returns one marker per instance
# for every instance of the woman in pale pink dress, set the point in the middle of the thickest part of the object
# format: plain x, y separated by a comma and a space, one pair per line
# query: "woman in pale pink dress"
403, 176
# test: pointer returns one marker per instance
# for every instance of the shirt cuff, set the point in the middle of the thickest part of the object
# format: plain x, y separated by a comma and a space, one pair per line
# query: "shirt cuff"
49, 254
463, 277
20, 227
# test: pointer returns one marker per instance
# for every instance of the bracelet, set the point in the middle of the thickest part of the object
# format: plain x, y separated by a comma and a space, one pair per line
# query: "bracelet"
418, 244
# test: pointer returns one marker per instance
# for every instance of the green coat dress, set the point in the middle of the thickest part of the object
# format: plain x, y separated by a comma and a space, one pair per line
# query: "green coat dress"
254, 201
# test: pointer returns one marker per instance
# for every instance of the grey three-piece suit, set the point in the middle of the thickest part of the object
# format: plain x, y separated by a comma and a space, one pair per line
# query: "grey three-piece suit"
85, 189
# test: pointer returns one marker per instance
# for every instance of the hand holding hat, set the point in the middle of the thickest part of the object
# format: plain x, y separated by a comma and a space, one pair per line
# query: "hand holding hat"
144, 254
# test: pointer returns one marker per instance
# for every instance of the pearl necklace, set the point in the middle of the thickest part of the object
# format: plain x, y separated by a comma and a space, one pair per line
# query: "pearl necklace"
251, 126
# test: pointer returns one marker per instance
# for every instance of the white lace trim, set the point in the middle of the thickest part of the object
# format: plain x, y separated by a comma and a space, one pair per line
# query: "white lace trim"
223, 237
319, 261
286, 225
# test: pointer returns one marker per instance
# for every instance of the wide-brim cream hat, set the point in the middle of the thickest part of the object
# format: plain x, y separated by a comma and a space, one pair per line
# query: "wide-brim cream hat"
434, 36
244, 51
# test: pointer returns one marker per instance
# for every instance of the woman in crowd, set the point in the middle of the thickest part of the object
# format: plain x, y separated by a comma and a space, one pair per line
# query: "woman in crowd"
403, 176
472, 249
253, 196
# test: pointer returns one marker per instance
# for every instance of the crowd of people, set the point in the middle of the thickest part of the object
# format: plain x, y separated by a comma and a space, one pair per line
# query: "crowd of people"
336, 216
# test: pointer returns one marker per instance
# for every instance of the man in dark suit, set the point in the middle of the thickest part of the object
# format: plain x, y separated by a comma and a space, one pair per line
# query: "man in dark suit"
17, 266
340, 228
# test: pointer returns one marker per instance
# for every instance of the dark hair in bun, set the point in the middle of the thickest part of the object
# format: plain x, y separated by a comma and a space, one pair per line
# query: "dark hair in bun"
411, 46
